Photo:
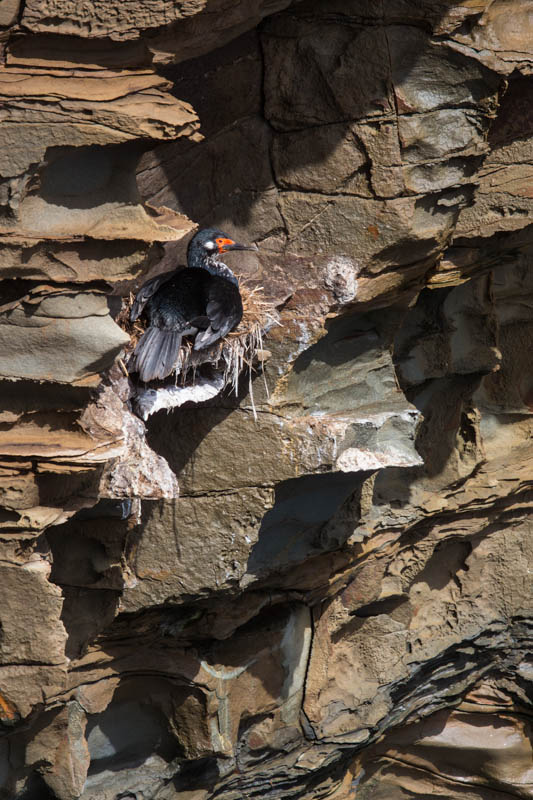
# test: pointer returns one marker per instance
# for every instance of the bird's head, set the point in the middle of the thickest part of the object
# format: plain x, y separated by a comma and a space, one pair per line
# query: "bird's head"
211, 243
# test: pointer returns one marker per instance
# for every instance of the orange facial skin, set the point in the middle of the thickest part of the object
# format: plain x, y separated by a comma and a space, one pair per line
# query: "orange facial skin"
222, 244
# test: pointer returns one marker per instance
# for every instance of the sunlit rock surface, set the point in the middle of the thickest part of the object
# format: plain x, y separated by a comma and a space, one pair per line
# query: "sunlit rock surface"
319, 586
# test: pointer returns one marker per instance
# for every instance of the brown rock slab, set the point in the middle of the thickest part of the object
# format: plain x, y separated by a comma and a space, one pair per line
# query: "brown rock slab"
27, 597
328, 160
130, 106
498, 34
75, 346
189, 562
61, 753
76, 262
334, 56
118, 20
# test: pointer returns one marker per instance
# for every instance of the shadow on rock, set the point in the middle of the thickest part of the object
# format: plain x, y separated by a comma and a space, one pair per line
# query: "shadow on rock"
293, 530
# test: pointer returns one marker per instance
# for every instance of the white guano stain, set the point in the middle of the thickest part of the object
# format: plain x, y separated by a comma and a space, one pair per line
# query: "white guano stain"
341, 278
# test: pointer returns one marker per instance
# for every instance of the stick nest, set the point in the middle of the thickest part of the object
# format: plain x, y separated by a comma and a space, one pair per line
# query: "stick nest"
241, 348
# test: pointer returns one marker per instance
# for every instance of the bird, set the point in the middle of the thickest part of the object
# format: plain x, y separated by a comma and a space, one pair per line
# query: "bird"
201, 300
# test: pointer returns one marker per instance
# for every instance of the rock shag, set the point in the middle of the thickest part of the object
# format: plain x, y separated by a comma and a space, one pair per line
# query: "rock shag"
202, 300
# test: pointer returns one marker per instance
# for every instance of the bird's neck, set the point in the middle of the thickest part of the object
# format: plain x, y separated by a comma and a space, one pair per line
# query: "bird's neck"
213, 266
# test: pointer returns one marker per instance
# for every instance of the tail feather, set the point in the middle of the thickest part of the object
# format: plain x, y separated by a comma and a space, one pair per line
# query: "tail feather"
156, 353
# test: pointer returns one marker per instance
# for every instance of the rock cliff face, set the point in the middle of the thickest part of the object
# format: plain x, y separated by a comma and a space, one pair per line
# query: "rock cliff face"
330, 597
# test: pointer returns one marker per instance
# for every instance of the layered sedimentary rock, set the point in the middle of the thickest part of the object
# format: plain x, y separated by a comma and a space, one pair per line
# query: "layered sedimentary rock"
320, 587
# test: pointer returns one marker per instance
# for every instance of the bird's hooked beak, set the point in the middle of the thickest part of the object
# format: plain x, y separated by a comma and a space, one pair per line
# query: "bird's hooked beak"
228, 244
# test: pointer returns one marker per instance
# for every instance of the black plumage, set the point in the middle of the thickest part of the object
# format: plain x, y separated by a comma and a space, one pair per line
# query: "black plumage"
202, 300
